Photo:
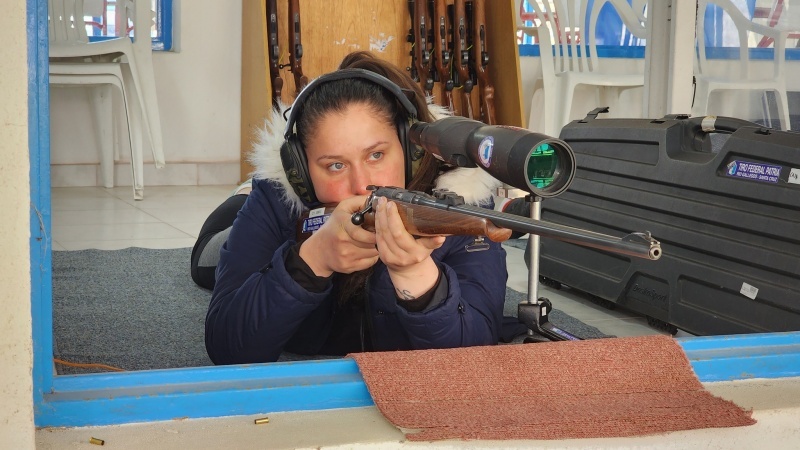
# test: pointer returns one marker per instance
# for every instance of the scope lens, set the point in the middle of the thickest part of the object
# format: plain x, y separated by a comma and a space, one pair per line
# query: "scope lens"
542, 166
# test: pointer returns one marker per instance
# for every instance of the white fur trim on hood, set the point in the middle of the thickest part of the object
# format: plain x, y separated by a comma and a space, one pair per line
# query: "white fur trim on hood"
474, 184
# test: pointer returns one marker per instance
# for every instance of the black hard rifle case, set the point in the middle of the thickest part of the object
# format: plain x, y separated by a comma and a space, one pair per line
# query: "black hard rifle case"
728, 219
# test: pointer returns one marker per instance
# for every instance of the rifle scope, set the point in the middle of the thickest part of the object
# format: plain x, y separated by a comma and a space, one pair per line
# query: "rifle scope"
539, 164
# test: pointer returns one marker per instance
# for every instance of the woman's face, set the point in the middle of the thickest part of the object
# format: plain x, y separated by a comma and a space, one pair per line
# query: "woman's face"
351, 150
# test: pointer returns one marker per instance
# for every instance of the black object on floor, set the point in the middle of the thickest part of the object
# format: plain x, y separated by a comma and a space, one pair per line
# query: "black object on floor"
723, 197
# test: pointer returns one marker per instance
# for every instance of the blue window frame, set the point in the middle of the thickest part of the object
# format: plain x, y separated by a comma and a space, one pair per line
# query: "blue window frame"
614, 40
104, 26
101, 399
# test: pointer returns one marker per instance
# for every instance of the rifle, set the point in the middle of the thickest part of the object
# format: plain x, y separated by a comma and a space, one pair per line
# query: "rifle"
461, 57
480, 59
445, 213
441, 54
274, 53
296, 46
410, 39
421, 55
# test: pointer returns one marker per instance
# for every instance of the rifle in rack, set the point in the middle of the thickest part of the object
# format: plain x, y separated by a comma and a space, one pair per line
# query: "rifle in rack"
410, 39
461, 57
421, 54
441, 54
480, 61
274, 53
296, 46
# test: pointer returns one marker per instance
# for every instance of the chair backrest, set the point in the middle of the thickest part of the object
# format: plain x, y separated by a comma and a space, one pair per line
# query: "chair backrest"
65, 21
745, 29
573, 26
67, 26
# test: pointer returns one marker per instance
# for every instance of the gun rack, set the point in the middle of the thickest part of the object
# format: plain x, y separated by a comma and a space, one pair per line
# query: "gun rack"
334, 28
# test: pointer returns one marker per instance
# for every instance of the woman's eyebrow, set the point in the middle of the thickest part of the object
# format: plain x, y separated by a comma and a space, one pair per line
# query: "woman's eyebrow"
369, 149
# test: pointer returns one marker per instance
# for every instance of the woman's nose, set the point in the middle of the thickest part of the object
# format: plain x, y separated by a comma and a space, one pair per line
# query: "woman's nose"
360, 179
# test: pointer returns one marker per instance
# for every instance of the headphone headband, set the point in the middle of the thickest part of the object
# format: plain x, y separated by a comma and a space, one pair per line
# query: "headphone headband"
340, 75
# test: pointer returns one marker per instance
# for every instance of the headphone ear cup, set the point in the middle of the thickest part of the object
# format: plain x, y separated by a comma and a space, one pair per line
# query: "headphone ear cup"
295, 166
412, 152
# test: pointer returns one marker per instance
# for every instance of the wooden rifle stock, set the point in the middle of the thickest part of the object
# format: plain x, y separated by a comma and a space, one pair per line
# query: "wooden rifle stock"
461, 57
420, 221
296, 46
426, 221
274, 53
422, 54
441, 55
480, 61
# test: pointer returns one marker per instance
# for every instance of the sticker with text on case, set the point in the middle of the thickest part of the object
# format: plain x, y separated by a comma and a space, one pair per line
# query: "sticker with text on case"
755, 171
749, 291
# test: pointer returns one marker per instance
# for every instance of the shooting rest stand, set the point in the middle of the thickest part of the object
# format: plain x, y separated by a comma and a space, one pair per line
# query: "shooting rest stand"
533, 313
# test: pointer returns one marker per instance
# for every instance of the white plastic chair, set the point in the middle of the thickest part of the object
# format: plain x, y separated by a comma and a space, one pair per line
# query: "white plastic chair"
747, 78
571, 64
546, 77
113, 62
105, 112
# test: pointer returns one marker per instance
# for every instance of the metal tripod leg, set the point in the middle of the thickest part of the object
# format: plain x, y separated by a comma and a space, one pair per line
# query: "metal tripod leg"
533, 313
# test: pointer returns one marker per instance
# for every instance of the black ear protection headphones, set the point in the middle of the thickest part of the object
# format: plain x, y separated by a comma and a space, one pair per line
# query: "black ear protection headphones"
293, 155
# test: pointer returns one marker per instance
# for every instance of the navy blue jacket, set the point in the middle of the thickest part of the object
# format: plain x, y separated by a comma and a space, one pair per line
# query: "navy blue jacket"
257, 310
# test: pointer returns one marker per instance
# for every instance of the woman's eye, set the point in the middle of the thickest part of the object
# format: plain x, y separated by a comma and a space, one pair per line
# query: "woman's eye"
376, 155
335, 167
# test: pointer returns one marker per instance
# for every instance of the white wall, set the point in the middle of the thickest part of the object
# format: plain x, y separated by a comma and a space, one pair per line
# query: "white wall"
199, 101
16, 349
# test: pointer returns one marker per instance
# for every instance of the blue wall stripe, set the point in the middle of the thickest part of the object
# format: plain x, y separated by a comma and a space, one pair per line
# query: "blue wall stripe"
616, 51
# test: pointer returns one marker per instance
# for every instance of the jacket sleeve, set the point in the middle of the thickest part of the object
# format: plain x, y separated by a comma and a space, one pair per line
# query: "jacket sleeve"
472, 312
256, 307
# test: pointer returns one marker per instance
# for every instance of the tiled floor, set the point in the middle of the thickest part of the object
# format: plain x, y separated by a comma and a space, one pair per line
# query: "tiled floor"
171, 217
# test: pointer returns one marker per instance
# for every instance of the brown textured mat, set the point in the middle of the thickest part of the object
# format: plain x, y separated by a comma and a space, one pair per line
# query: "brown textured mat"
553, 390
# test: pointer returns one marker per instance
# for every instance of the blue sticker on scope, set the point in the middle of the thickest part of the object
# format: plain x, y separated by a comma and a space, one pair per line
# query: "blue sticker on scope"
767, 173
485, 149
312, 224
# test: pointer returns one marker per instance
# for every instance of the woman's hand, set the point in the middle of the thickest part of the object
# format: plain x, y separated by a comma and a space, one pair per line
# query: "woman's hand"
340, 246
408, 259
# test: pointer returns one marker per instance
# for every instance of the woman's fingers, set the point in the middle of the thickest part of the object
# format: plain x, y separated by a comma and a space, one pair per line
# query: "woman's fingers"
397, 247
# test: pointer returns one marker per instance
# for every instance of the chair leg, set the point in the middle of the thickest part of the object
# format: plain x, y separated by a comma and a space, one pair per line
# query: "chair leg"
537, 120
135, 138
137, 164
142, 73
701, 99
102, 112
566, 107
783, 99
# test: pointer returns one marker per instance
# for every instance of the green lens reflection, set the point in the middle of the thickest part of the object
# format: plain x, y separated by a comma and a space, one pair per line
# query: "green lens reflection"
542, 166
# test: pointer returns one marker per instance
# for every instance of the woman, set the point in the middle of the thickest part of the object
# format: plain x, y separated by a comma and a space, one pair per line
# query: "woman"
345, 289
